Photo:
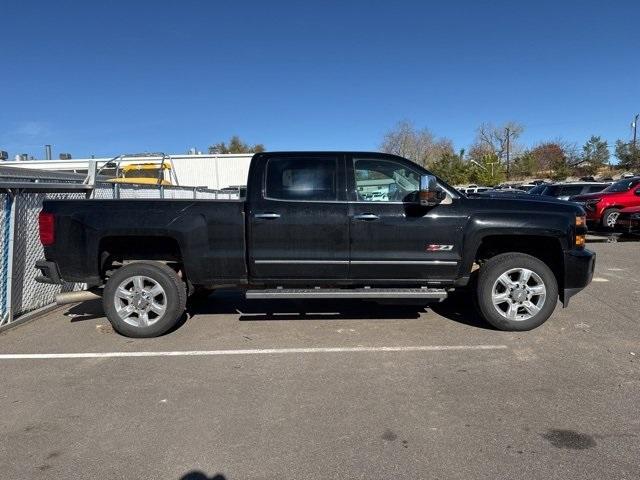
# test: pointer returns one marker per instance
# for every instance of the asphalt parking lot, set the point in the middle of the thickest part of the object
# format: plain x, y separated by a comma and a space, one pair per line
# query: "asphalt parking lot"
332, 390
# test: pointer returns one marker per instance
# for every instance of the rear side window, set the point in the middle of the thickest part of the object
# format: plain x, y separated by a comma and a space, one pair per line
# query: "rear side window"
302, 178
595, 188
570, 190
552, 191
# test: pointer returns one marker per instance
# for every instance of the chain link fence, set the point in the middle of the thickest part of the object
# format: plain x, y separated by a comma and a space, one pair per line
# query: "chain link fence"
6, 202
26, 294
20, 243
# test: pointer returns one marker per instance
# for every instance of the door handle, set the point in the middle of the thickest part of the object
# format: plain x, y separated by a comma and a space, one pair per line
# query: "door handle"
367, 217
267, 216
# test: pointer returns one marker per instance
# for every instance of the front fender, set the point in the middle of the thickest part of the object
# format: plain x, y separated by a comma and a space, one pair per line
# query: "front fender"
520, 228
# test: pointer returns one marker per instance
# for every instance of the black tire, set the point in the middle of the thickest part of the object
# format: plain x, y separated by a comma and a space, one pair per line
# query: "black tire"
607, 217
488, 276
173, 297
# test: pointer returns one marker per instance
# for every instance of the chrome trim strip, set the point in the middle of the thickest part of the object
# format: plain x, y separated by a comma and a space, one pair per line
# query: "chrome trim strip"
404, 262
430, 293
345, 201
359, 262
308, 262
271, 199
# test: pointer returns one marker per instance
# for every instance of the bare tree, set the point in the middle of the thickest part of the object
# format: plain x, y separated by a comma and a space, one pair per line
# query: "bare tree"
421, 146
494, 139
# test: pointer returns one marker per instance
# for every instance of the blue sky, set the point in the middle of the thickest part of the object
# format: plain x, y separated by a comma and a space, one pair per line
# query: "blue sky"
104, 78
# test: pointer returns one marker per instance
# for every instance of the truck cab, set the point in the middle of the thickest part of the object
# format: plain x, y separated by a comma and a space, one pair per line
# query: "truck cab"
313, 218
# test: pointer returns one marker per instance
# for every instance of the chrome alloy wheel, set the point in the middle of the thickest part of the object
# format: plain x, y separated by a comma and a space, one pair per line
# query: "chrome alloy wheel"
612, 218
518, 294
140, 301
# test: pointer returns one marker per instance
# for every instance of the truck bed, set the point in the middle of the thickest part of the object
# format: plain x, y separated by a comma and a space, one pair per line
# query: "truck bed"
210, 235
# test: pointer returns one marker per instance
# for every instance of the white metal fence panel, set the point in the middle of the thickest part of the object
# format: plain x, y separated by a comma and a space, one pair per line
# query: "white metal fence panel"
213, 171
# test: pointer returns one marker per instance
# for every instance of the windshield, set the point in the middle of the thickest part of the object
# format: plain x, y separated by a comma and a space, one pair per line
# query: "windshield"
537, 190
622, 185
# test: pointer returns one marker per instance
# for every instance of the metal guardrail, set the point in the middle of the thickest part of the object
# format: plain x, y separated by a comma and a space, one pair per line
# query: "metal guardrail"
20, 204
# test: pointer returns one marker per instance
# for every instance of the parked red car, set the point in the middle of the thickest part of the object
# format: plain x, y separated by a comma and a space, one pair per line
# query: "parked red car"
629, 221
604, 207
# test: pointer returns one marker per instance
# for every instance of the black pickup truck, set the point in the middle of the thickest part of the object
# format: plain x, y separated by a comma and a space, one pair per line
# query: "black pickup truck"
321, 225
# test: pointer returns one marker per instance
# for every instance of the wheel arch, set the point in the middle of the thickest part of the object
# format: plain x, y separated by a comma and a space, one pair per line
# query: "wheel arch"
120, 249
549, 249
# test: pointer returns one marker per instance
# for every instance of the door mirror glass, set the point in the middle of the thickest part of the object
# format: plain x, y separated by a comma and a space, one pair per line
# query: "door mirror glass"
429, 193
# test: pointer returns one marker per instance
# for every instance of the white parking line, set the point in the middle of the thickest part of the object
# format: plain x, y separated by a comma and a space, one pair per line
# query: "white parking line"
266, 351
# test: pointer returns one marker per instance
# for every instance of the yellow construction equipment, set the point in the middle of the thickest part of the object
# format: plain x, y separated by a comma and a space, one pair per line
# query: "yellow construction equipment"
142, 173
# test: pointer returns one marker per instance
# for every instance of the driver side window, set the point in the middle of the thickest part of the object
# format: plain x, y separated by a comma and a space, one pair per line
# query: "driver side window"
379, 180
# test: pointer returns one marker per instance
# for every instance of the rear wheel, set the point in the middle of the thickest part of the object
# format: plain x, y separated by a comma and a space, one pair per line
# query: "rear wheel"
144, 299
610, 217
516, 292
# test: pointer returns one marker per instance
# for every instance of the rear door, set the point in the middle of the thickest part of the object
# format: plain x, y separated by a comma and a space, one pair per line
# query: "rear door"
298, 223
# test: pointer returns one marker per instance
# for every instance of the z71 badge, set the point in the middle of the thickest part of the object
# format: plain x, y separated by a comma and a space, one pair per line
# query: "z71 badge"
439, 248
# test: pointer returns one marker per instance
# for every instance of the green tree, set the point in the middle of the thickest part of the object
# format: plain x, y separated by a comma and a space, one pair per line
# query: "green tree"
560, 169
628, 154
236, 145
524, 165
595, 155
451, 168
487, 170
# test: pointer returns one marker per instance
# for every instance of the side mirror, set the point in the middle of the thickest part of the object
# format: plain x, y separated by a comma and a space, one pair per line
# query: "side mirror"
428, 193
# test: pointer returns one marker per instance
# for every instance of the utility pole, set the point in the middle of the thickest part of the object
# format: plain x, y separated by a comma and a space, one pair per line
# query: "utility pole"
508, 139
635, 128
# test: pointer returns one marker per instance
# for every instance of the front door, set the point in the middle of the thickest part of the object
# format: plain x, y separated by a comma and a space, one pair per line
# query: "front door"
299, 225
392, 236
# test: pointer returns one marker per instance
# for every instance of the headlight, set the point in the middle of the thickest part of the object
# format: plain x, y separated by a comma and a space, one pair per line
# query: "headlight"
635, 216
581, 238
591, 204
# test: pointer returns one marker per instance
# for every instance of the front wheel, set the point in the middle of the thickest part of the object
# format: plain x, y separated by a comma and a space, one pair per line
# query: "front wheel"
144, 299
516, 292
610, 217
